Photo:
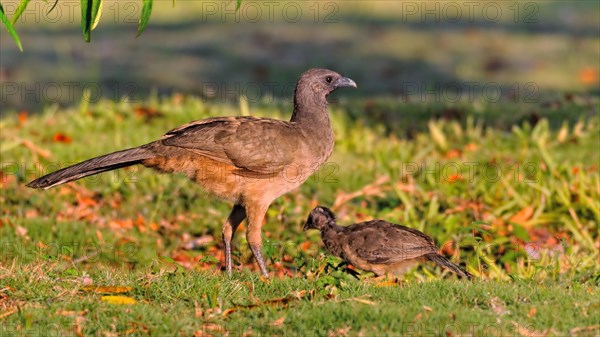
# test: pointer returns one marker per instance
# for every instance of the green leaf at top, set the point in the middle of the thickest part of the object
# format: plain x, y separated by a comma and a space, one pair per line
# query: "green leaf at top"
19, 11
238, 5
145, 17
10, 28
90, 16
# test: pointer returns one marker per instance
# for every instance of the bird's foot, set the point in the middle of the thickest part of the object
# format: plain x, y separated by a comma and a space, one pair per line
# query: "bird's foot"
256, 250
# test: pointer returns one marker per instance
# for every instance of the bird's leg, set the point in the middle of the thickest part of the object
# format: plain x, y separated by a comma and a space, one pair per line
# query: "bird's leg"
237, 215
256, 214
257, 251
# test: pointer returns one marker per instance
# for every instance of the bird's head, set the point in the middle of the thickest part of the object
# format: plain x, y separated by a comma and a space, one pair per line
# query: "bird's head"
321, 82
319, 218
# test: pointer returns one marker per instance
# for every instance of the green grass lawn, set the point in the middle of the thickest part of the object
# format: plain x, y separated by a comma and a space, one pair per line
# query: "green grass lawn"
511, 196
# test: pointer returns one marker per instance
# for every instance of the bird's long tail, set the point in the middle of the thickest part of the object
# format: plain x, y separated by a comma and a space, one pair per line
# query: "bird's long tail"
444, 262
92, 166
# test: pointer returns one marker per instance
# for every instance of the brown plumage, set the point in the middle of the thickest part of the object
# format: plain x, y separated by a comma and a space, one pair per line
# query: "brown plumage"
377, 245
247, 160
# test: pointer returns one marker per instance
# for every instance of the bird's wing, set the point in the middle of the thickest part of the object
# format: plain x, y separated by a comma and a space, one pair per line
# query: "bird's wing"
381, 242
260, 146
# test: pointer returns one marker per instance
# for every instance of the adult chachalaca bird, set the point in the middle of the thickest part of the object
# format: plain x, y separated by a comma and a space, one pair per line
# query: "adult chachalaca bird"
247, 160
377, 245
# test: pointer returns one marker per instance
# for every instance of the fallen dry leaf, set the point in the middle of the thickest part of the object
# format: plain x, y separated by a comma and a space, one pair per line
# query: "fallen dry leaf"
523, 216
201, 333
106, 289
35, 151
426, 308
531, 312
118, 300
363, 301
452, 154
23, 115
471, 147
228, 312
21, 231
305, 246
525, 332
78, 329
374, 189
453, 178
585, 331
339, 332
8, 313
278, 322
213, 327
147, 113
62, 312
61, 138
6, 179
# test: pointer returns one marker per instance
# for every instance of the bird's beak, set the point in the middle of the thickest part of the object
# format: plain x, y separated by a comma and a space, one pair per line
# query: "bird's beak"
307, 227
345, 82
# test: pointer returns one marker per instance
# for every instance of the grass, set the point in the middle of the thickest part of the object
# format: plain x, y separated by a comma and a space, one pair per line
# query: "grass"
514, 202
189, 301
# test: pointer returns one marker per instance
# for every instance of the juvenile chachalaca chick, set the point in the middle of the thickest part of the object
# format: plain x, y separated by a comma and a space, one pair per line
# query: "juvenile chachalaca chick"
377, 245
248, 160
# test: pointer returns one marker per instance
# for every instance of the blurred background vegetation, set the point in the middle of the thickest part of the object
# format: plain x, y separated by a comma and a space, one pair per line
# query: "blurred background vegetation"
393, 49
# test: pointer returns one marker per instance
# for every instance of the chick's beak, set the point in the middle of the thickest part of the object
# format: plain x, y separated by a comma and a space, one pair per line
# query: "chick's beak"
345, 82
307, 226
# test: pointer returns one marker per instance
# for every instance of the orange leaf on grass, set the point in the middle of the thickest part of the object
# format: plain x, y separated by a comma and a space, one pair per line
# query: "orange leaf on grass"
120, 224
60, 137
527, 331
279, 321
63, 312
23, 115
454, 178
147, 112
35, 150
6, 179
305, 246
452, 154
84, 200
118, 300
522, 216
471, 147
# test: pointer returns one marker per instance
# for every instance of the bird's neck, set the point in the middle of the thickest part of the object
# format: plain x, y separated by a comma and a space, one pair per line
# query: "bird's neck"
330, 238
311, 116
309, 109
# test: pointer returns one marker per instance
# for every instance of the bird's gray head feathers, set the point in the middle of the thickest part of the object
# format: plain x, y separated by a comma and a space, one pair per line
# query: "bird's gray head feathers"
319, 218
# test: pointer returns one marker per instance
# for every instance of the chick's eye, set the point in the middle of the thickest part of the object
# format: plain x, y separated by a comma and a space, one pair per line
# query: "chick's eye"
328, 79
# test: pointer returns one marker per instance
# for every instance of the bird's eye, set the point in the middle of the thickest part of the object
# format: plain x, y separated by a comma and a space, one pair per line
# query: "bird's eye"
328, 79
